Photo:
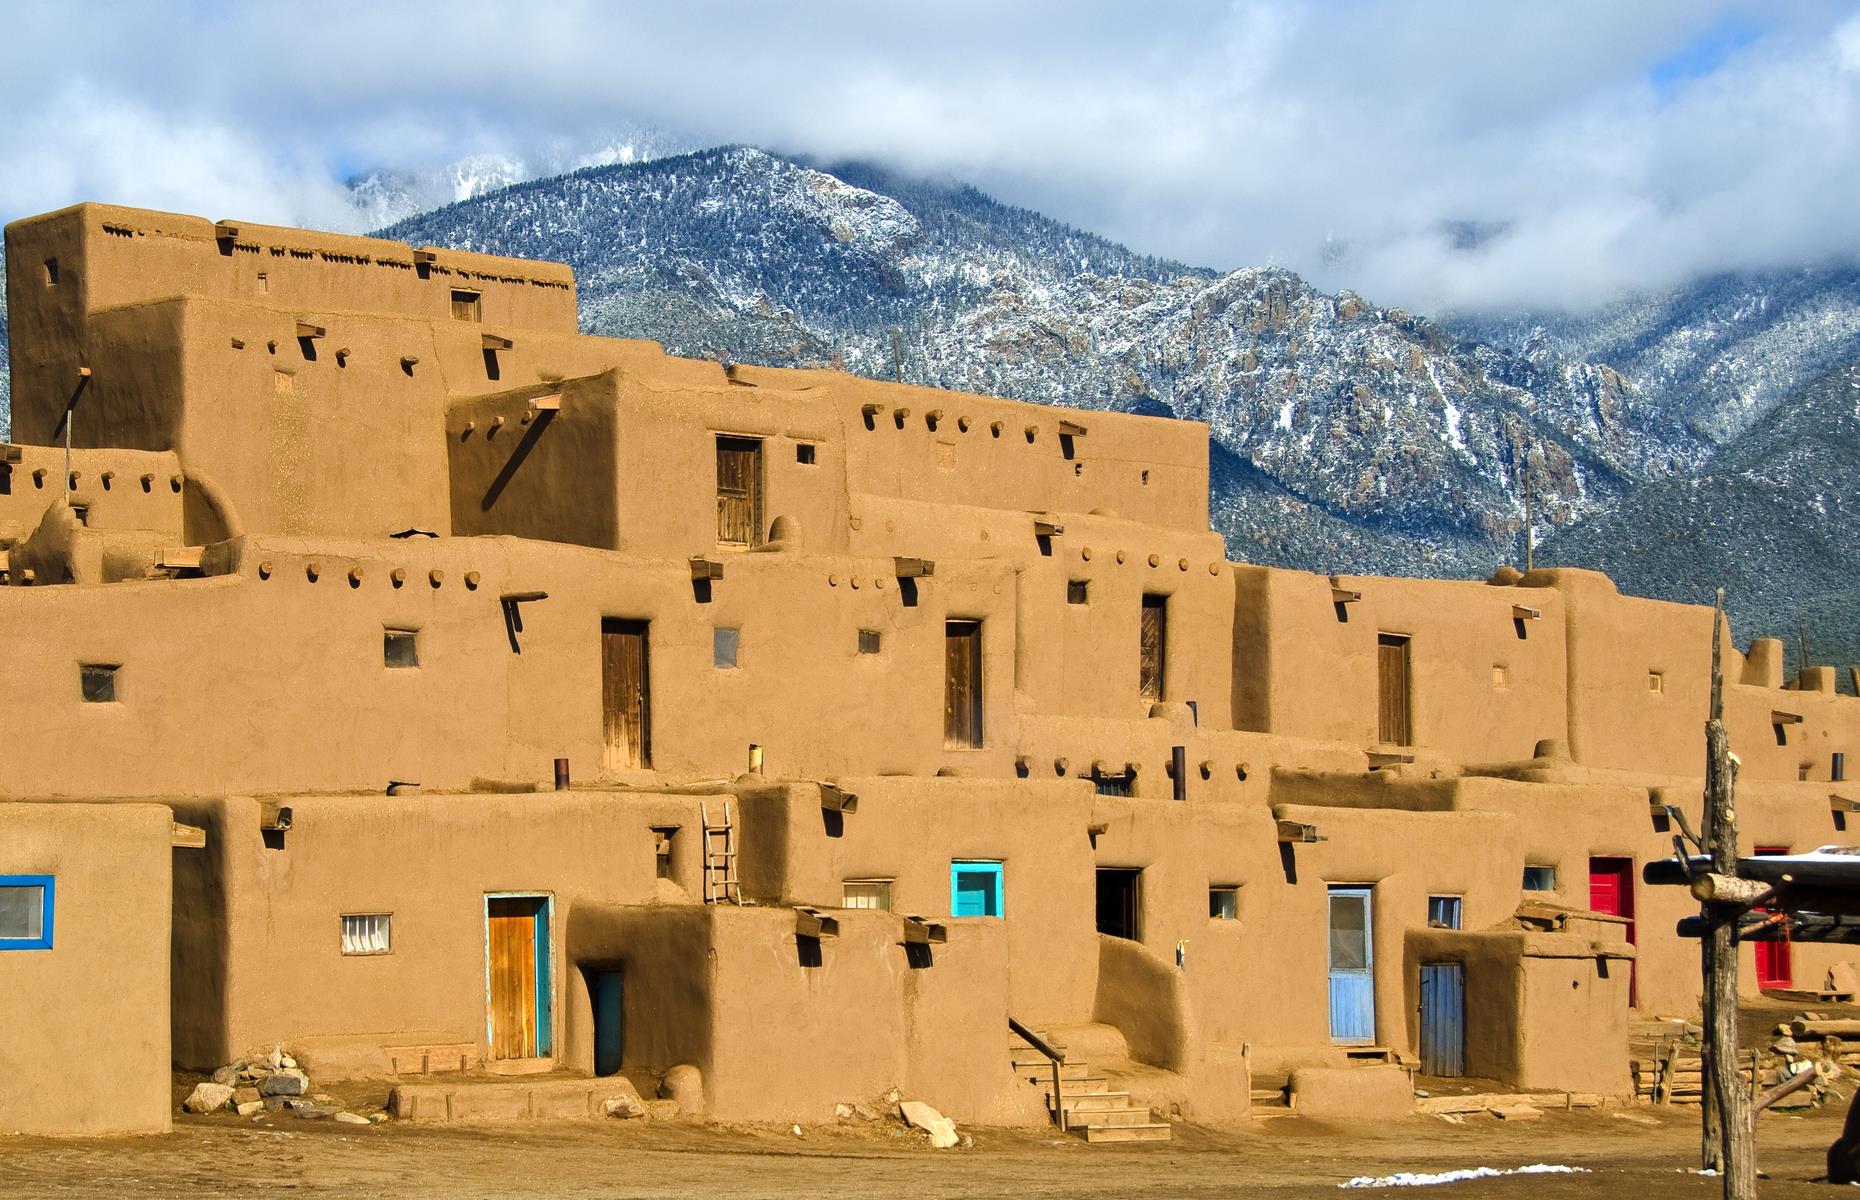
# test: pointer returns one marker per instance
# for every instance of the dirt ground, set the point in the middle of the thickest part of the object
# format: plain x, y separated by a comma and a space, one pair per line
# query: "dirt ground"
1645, 1153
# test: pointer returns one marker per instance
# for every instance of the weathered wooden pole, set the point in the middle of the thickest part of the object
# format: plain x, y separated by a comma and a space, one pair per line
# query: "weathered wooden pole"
1727, 1100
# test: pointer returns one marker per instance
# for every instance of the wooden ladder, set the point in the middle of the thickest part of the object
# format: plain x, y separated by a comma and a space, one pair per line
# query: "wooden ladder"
720, 882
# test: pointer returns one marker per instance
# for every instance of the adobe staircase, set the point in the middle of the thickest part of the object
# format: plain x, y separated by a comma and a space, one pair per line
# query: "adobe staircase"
1086, 1105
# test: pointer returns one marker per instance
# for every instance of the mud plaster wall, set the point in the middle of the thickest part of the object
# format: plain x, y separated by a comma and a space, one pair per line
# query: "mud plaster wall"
88, 1018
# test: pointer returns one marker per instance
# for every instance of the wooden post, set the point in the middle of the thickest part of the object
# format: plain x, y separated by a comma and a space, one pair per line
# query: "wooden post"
1730, 1146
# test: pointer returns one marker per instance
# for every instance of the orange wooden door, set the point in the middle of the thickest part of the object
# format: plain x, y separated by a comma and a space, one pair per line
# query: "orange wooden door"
962, 685
511, 943
1393, 724
626, 694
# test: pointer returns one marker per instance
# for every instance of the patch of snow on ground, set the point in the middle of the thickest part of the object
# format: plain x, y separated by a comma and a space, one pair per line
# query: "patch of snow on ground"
1285, 414
1423, 1179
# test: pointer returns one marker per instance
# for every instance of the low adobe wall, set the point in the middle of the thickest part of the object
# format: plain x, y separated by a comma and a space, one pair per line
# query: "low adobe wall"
84, 1047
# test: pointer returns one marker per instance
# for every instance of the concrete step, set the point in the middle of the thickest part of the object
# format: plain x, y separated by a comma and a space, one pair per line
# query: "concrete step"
1092, 1100
1027, 1056
1044, 1070
1088, 1085
1128, 1133
1105, 1118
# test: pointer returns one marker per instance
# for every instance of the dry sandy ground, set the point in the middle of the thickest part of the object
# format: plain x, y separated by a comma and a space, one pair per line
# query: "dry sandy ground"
1646, 1158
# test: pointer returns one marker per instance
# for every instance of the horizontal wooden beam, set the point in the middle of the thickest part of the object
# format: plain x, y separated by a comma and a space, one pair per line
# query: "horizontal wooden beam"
1521, 612
273, 817
1046, 527
1344, 595
424, 258
306, 330
182, 558
1778, 717
705, 568
491, 341
9, 453
914, 568
1714, 888
540, 404
811, 922
225, 231
924, 933
186, 837
1071, 429
834, 798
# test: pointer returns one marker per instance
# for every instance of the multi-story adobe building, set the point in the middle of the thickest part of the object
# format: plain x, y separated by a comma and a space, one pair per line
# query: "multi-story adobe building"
890, 715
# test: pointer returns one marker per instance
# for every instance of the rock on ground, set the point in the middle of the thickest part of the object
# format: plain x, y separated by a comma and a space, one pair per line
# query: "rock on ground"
284, 1083
208, 1097
349, 1118
941, 1129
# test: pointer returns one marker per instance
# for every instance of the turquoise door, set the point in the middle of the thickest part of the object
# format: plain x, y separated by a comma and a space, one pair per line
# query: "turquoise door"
1352, 975
975, 888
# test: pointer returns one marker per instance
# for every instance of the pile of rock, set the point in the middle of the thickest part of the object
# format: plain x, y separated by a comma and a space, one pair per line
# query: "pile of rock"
271, 1083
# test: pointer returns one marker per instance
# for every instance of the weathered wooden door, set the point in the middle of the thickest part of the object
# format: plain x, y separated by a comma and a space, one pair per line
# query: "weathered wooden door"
1151, 647
1443, 1019
1352, 967
1393, 724
517, 947
962, 685
1611, 891
1775, 966
739, 491
626, 693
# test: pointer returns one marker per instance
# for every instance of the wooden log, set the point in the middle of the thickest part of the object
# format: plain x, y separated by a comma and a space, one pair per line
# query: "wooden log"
1713, 888
1830, 1027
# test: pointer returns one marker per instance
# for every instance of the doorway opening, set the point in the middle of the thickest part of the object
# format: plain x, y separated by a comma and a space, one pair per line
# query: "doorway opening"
1120, 902
518, 976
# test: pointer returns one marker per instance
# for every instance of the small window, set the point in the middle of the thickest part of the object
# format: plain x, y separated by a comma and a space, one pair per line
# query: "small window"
400, 648
26, 912
82, 513
466, 306
869, 641
1224, 902
367, 933
1801, 772
264, 283
977, 888
1078, 591
1656, 682
804, 453
1501, 676
1114, 783
98, 682
51, 272
1443, 912
723, 647
662, 836
866, 893
1540, 879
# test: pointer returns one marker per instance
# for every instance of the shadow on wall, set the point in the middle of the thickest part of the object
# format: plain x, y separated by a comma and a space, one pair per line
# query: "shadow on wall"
1145, 998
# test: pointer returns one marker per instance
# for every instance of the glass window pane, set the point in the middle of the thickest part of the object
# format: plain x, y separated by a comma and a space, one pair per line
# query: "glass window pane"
22, 911
1223, 903
1349, 942
723, 645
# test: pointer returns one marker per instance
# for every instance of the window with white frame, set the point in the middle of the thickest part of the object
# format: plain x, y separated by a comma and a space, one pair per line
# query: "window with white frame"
367, 933
866, 893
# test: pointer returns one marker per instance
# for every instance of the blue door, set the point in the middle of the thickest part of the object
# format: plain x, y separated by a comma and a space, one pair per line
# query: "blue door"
975, 888
1352, 974
1443, 1019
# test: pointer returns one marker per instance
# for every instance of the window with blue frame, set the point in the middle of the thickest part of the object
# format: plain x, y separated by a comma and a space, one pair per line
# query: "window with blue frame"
1443, 912
976, 888
26, 911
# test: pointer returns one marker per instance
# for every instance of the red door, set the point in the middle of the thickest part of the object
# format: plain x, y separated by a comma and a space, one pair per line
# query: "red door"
1611, 891
1774, 969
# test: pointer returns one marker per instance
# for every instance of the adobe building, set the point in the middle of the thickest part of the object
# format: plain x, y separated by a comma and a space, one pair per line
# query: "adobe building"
400, 675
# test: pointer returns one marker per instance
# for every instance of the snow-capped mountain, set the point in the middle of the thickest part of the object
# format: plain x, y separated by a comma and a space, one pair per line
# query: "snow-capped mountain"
1347, 434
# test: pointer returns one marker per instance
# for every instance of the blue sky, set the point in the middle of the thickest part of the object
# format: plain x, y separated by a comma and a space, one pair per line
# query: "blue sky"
1600, 145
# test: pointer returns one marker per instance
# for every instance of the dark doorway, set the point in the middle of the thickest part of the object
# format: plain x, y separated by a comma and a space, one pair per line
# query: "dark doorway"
1120, 902
606, 999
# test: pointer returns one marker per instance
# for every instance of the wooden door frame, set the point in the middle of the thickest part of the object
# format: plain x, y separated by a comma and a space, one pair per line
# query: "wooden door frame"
1622, 865
758, 490
545, 980
643, 751
1368, 893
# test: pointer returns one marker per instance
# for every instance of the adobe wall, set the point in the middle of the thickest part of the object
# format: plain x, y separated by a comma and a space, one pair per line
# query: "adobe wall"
87, 1044
210, 697
276, 901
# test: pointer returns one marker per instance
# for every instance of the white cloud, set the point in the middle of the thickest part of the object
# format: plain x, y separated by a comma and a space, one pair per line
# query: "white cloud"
1221, 134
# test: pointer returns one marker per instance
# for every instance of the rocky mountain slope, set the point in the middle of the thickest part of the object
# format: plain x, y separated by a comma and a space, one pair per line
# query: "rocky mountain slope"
1770, 518
1345, 433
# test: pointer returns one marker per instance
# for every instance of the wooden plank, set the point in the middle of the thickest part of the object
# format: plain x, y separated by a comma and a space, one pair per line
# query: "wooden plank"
188, 837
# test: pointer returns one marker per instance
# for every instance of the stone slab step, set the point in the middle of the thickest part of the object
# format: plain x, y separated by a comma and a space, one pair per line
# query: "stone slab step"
1092, 1100
504, 1100
1128, 1133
